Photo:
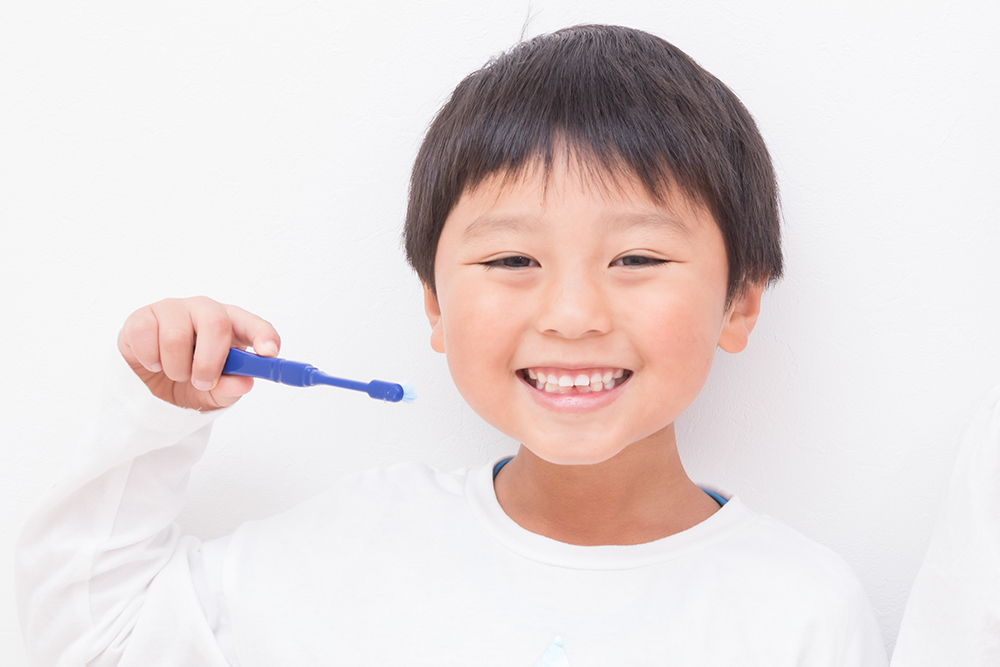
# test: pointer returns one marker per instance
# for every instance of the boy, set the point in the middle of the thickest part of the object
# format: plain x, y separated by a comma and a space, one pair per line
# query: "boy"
591, 215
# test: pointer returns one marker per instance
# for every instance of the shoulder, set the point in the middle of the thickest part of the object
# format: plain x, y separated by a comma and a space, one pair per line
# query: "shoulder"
782, 577
779, 548
401, 487
361, 502
404, 479
791, 566
790, 593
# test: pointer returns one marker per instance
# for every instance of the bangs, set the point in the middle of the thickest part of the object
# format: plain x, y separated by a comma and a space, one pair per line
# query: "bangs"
602, 170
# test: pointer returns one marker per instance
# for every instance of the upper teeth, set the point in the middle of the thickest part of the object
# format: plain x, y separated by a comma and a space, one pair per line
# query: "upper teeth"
564, 382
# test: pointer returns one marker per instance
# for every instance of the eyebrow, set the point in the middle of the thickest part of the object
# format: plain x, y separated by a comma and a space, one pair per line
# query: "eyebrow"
657, 220
489, 224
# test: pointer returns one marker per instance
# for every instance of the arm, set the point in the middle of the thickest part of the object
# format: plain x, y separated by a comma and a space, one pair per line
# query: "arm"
104, 576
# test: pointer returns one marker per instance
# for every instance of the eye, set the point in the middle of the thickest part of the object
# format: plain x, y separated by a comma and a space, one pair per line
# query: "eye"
511, 262
636, 261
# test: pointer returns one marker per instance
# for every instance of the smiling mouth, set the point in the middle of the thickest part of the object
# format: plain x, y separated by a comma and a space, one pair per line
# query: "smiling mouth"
556, 381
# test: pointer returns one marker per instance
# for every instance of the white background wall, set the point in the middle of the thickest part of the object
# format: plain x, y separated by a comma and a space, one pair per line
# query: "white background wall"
258, 152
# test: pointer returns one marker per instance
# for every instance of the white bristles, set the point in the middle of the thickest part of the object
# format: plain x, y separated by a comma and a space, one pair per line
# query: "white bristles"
409, 393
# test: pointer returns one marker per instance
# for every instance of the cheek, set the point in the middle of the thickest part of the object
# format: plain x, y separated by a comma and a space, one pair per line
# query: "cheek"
477, 321
680, 338
480, 334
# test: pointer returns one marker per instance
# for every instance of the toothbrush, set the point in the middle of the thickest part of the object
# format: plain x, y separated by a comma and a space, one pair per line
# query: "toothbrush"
298, 374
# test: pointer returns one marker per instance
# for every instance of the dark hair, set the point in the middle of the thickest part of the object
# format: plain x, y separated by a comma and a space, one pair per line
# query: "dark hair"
620, 99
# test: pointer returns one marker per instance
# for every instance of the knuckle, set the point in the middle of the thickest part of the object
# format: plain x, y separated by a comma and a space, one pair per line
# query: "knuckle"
203, 301
141, 329
217, 324
178, 374
175, 338
137, 326
203, 371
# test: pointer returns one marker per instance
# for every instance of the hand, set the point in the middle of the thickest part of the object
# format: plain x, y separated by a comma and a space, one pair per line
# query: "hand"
179, 346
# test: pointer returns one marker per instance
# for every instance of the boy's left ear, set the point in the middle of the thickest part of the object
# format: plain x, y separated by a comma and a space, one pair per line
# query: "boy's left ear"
741, 318
433, 310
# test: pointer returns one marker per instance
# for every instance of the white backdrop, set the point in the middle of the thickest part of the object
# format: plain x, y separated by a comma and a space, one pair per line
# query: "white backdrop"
258, 152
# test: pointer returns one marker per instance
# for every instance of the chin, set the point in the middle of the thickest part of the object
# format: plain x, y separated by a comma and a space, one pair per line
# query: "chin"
573, 454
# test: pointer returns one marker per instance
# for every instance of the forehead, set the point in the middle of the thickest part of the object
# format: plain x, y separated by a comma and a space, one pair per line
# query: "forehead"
532, 197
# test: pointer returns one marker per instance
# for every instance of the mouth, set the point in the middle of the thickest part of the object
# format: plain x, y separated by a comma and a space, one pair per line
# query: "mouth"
574, 381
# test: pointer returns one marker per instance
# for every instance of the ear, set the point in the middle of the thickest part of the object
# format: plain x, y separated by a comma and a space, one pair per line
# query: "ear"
433, 310
740, 319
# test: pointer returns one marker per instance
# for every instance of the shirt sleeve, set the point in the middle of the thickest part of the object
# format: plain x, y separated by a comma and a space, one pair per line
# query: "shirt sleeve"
863, 645
104, 576
843, 630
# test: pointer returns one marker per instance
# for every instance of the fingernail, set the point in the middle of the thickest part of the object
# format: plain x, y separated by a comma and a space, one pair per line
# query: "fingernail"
157, 367
269, 347
203, 385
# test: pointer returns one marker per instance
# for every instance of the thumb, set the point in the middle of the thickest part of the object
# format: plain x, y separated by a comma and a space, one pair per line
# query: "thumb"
265, 347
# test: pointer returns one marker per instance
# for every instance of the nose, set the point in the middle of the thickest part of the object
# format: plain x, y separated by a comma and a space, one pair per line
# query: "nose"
573, 305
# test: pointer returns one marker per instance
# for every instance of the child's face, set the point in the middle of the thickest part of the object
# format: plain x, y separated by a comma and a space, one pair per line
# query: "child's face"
581, 281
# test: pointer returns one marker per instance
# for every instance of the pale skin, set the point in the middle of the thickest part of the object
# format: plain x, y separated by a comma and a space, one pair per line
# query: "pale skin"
572, 280
579, 278
158, 343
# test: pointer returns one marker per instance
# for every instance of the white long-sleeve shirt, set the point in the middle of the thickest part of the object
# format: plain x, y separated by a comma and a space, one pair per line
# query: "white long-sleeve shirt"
403, 565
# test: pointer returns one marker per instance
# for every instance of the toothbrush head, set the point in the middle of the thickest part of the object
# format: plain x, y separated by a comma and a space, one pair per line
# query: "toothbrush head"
389, 391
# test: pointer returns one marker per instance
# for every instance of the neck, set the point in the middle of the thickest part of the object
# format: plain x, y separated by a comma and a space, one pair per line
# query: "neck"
640, 495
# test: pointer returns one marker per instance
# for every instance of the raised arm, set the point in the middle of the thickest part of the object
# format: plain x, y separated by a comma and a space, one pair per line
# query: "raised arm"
104, 576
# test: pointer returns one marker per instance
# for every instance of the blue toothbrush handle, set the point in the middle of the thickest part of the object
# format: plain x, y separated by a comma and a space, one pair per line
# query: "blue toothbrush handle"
282, 371
298, 374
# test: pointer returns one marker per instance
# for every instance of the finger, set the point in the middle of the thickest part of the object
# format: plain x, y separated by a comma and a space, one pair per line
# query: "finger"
214, 334
138, 340
176, 338
230, 388
248, 329
227, 391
